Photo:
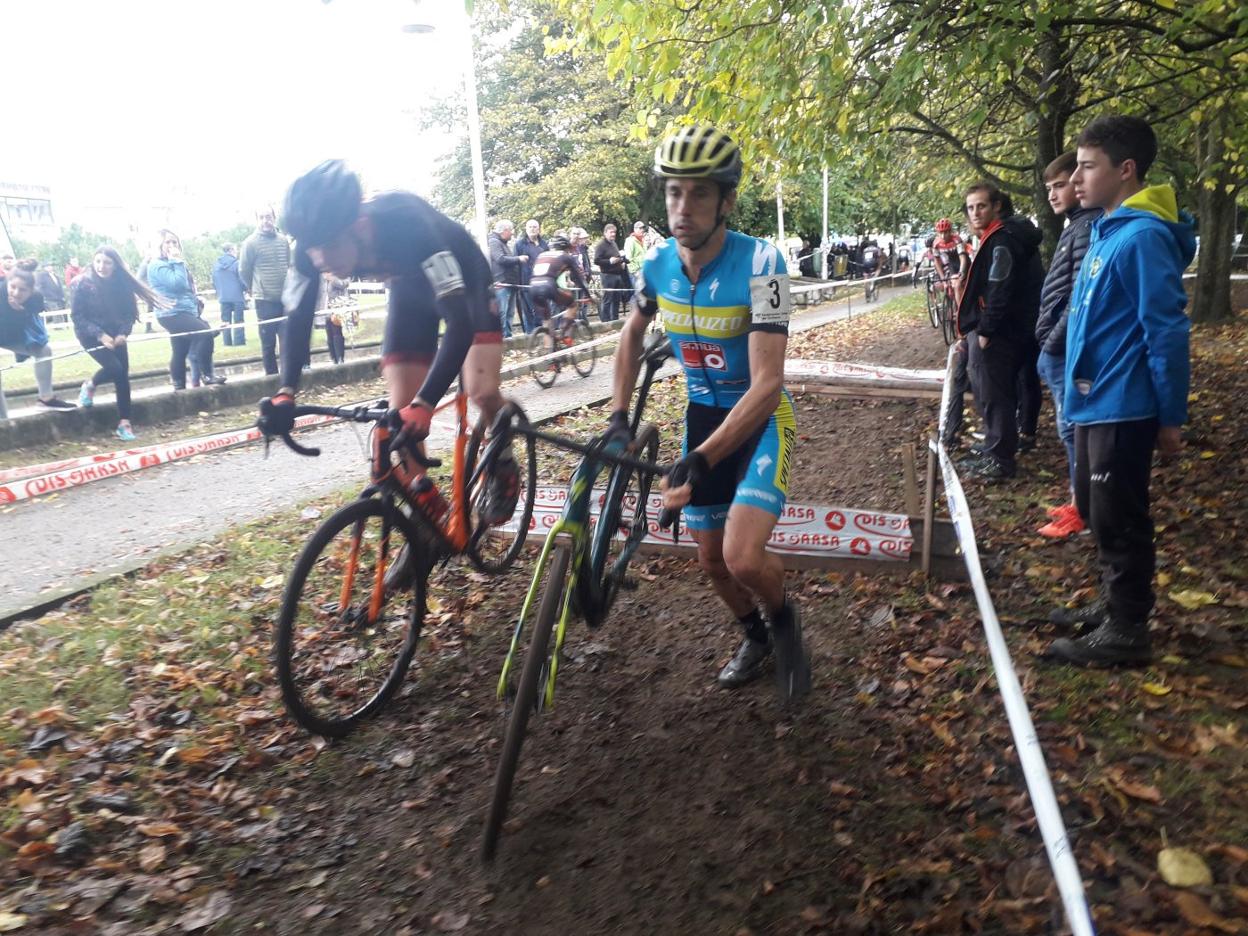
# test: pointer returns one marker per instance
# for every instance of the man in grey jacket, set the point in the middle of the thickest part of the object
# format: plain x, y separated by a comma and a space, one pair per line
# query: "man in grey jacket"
262, 268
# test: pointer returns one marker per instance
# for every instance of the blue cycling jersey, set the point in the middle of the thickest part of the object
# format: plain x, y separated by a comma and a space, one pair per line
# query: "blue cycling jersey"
744, 289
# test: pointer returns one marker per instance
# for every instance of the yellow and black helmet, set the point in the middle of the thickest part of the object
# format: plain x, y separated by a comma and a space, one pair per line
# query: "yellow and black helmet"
699, 152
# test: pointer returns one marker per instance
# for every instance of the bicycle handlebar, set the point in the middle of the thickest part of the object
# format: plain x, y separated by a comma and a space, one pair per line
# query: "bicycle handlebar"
677, 477
362, 413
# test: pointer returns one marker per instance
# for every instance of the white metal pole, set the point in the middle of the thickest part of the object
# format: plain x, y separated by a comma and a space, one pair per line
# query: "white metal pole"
823, 243
780, 218
480, 224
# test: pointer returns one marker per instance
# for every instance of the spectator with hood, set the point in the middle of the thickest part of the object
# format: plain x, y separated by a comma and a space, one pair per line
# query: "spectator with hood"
229, 287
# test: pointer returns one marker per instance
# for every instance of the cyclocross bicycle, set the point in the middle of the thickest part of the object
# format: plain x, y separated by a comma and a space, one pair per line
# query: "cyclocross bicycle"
584, 570
549, 356
345, 638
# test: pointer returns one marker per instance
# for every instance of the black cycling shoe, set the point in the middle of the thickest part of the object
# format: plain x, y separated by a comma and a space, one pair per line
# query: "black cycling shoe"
1081, 619
792, 663
1111, 644
746, 665
401, 573
503, 491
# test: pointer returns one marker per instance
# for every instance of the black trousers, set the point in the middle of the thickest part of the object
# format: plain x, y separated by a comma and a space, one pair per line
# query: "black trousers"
1029, 393
611, 297
1113, 465
994, 379
198, 347
266, 310
336, 341
957, 398
115, 369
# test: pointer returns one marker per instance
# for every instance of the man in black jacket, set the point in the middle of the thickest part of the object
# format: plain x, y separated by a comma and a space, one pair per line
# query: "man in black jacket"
531, 245
999, 305
505, 266
610, 262
1051, 325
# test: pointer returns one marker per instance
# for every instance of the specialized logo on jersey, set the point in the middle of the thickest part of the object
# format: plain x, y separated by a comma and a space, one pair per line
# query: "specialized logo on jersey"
765, 259
714, 287
703, 354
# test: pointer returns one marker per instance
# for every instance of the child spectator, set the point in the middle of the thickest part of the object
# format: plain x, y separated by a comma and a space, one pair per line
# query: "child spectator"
1127, 376
104, 312
22, 330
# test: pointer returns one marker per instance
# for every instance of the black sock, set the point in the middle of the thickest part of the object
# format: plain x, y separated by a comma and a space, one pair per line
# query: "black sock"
755, 626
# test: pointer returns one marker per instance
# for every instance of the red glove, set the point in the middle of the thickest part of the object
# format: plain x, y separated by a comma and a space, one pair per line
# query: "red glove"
416, 418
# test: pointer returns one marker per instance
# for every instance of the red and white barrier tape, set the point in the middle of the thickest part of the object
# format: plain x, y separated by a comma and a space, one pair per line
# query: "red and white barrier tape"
1026, 743
803, 529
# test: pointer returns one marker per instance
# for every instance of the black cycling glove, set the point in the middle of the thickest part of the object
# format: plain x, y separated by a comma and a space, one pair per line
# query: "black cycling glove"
691, 470
617, 429
277, 415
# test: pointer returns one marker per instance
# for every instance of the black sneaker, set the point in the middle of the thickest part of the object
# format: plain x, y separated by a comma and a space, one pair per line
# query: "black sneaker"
792, 663
57, 404
1110, 644
1026, 442
1081, 619
986, 468
213, 381
503, 491
746, 665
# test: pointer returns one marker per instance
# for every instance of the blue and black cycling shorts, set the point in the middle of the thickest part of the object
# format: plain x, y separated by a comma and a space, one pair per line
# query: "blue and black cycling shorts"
756, 474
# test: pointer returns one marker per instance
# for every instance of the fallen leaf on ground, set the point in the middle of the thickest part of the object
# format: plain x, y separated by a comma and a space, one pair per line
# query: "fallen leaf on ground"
215, 907
1182, 867
1192, 600
1197, 912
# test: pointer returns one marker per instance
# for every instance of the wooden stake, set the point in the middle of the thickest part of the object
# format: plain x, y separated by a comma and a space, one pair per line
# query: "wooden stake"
929, 510
910, 477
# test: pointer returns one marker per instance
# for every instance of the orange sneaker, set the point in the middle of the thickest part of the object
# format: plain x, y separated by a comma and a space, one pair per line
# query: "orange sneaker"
1068, 523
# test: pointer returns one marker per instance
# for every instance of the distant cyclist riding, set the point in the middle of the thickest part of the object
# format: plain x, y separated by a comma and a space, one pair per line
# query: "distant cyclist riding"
950, 257
725, 303
434, 273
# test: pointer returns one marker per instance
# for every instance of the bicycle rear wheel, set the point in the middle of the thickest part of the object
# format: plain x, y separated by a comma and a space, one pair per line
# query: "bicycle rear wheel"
624, 510
544, 372
494, 547
582, 334
527, 700
343, 642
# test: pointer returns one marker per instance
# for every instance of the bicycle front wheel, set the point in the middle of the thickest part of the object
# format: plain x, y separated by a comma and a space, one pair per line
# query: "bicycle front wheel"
344, 640
582, 334
543, 371
621, 528
933, 310
527, 700
949, 320
493, 547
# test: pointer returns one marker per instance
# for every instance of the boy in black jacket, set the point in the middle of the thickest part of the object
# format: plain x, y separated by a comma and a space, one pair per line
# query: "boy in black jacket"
999, 306
1051, 326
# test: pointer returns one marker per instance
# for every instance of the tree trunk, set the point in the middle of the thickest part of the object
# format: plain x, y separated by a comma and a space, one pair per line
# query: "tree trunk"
1055, 95
1216, 212
1212, 300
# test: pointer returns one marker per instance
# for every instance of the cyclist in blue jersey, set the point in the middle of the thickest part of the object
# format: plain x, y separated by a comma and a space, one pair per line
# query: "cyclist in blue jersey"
725, 303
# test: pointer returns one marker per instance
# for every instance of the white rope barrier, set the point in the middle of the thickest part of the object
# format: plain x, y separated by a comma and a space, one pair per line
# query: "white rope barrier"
1026, 743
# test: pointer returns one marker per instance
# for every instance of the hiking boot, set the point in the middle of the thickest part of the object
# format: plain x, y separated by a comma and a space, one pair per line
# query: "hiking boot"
746, 665
503, 491
1111, 644
792, 663
1066, 522
1081, 619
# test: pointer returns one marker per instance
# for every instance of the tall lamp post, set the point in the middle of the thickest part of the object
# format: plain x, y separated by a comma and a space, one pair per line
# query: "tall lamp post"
479, 226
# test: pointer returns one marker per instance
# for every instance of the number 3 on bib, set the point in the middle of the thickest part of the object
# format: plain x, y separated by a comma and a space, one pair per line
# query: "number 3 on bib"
770, 302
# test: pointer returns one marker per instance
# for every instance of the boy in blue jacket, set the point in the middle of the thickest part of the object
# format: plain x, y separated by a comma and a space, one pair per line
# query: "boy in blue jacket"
1127, 374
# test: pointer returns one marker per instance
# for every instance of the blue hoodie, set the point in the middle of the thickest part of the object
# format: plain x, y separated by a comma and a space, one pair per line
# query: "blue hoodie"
1127, 339
225, 279
169, 278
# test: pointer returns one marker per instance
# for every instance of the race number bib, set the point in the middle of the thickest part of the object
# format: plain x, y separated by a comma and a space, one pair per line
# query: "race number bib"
770, 302
444, 274
541, 268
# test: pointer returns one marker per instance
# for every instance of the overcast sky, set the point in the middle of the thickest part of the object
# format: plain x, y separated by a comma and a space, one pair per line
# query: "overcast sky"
213, 106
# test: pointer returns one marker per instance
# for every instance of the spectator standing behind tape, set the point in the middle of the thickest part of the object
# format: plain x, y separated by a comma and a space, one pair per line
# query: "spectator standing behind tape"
191, 334
72, 272
614, 272
50, 288
22, 330
635, 246
505, 267
104, 312
229, 287
262, 266
532, 245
